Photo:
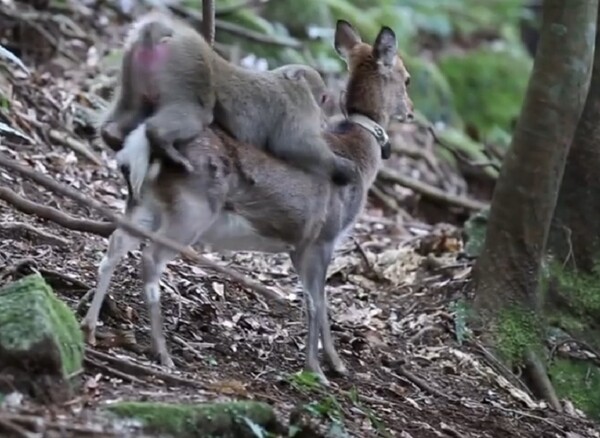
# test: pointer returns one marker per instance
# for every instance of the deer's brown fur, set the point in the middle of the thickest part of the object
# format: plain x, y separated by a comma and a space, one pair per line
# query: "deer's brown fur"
242, 198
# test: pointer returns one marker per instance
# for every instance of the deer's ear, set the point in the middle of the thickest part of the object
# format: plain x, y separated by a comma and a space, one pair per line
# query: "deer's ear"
385, 48
346, 37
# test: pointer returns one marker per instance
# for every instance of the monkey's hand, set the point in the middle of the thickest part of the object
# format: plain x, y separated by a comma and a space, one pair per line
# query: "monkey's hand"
112, 135
344, 171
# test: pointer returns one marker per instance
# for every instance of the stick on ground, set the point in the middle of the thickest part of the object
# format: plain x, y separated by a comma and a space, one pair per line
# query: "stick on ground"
132, 228
65, 220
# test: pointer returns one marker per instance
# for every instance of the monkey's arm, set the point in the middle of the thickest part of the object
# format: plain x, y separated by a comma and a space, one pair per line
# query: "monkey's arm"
117, 125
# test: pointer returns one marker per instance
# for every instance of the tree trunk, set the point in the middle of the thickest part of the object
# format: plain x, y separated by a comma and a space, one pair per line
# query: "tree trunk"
575, 233
506, 274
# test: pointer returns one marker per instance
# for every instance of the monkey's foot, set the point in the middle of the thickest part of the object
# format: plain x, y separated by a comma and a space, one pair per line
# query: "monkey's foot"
89, 332
345, 172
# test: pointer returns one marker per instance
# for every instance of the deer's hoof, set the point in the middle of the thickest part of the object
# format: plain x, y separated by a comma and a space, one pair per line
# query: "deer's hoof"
89, 333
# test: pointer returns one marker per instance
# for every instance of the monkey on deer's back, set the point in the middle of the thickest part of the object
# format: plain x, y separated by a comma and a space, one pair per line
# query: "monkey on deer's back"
171, 76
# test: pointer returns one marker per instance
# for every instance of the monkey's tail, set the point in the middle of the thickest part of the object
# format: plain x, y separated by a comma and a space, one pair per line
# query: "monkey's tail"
135, 157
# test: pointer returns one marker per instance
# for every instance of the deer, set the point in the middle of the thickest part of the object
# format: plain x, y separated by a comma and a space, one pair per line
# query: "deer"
241, 198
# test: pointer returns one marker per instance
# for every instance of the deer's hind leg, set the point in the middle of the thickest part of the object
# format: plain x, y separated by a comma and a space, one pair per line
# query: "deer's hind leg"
183, 222
311, 264
119, 244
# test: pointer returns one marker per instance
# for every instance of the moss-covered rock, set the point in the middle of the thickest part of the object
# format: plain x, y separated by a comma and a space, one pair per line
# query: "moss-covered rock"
488, 85
474, 230
579, 382
231, 419
40, 339
431, 92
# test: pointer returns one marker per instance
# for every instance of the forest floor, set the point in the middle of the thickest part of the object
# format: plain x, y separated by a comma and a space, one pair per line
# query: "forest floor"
391, 293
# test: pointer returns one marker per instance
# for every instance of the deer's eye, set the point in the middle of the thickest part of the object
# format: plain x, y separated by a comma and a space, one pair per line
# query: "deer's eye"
407, 81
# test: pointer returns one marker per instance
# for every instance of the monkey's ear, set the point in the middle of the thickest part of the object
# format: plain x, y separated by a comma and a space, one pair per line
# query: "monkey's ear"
346, 37
294, 73
385, 48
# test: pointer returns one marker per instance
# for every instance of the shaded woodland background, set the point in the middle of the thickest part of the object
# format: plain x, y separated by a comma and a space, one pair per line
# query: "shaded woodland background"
404, 295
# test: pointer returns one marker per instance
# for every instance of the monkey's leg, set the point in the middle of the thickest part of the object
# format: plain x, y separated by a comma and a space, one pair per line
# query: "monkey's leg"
312, 154
311, 265
118, 126
119, 244
183, 223
172, 124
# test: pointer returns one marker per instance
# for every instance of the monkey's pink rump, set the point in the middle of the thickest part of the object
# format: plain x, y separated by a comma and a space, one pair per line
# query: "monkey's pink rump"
150, 58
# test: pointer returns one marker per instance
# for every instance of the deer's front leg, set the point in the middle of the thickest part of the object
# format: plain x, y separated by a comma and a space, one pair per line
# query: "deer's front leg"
119, 243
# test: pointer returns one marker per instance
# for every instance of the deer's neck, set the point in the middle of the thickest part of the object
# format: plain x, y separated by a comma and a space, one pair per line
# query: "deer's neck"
361, 143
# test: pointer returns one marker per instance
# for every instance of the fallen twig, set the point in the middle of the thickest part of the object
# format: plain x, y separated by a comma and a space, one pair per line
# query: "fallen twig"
418, 382
10, 427
432, 192
134, 229
75, 145
128, 366
110, 370
26, 206
388, 201
528, 415
502, 369
40, 424
456, 153
22, 228
187, 346
582, 344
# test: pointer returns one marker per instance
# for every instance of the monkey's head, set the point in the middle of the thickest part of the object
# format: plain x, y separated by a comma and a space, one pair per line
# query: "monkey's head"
314, 80
378, 82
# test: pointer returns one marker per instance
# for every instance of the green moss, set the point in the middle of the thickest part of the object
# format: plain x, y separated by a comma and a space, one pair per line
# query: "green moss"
199, 420
581, 290
566, 321
488, 86
31, 316
475, 230
579, 382
517, 331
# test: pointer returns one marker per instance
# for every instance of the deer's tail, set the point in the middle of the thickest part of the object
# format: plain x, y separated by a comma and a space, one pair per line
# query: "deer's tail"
134, 160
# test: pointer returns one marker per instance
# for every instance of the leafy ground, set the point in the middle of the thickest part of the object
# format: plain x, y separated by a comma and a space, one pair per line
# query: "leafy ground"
392, 290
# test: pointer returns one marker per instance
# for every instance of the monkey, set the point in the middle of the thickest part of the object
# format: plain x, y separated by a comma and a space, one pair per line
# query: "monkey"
277, 110
304, 76
156, 84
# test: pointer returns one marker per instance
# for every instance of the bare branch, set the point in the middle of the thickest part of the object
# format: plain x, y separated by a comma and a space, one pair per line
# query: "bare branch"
431, 192
134, 229
65, 220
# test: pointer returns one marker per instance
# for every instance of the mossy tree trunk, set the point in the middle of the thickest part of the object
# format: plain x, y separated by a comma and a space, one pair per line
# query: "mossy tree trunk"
572, 302
506, 275
575, 233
